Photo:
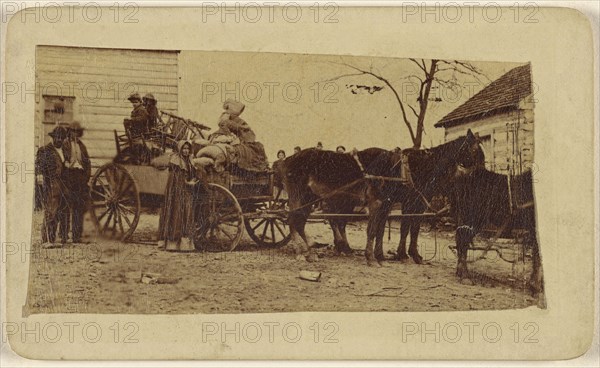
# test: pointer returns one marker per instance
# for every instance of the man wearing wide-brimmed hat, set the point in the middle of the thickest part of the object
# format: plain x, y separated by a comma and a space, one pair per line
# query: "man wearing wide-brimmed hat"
77, 173
137, 124
49, 163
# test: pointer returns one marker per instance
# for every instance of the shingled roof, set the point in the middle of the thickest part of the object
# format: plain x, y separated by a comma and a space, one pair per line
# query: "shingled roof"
501, 95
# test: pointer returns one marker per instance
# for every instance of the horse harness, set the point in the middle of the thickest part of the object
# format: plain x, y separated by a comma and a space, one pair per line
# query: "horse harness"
405, 179
514, 207
405, 176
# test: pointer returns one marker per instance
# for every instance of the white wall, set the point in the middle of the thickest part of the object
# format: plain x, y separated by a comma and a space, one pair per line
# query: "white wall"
511, 134
101, 80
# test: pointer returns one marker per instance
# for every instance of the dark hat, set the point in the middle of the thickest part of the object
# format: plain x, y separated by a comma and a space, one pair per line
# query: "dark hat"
135, 97
149, 96
75, 125
58, 132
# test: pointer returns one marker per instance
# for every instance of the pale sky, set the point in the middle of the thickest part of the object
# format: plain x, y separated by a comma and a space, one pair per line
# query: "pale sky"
288, 101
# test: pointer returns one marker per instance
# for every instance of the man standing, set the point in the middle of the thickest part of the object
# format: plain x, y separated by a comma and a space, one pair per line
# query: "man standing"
77, 173
49, 163
137, 124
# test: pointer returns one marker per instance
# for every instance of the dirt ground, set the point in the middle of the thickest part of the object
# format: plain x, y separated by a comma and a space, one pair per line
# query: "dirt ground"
103, 276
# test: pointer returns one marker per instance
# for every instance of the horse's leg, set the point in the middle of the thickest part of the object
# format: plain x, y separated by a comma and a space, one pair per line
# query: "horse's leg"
372, 228
297, 222
345, 247
337, 236
381, 220
464, 237
413, 252
404, 229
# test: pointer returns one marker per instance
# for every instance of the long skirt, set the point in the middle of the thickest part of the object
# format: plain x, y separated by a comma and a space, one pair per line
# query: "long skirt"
176, 224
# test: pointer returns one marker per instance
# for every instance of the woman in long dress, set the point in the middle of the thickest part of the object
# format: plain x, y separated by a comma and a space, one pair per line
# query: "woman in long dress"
176, 224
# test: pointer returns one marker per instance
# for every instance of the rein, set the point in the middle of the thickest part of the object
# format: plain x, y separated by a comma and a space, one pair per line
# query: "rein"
328, 195
366, 177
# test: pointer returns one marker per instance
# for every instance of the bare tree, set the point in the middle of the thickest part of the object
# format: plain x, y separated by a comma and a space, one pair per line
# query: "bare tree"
442, 72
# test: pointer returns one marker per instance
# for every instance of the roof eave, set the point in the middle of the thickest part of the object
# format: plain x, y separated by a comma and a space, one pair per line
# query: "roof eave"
470, 118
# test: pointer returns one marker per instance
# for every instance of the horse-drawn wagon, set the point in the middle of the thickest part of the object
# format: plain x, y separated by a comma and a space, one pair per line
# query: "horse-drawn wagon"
232, 200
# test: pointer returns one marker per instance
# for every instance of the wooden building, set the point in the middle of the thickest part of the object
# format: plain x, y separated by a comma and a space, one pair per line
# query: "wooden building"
92, 85
502, 115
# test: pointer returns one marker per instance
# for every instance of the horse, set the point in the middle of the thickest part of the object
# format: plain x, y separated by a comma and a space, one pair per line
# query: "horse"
482, 199
343, 181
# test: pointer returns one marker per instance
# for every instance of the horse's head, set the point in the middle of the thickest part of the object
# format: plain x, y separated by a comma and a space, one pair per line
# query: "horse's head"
438, 166
468, 154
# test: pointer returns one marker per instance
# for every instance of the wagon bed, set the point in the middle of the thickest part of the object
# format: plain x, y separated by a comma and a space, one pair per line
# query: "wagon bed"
231, 201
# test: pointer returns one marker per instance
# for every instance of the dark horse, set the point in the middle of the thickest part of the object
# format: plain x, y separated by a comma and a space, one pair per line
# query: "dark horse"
344, 181
482, 199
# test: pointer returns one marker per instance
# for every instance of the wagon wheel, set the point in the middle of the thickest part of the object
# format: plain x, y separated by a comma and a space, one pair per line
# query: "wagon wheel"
115, 206
219, 220
268, 227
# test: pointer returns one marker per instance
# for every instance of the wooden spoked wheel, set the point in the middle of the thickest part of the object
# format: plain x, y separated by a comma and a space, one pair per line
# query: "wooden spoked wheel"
268, 225
115, 202
219, 220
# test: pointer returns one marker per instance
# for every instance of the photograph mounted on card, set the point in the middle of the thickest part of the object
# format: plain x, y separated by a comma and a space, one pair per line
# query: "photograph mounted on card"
218, 189
187, 191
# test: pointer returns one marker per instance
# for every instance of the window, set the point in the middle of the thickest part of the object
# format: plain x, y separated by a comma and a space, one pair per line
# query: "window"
58, 109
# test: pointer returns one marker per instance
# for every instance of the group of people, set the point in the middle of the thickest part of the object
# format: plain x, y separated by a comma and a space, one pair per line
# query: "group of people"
277, 180
184, 204
144, 116
64, 168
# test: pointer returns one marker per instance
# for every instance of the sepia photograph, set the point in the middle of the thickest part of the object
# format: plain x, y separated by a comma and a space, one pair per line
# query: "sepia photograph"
298, 182
221, 182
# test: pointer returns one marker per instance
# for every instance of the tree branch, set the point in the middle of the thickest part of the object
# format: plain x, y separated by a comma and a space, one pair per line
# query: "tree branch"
342, 76
414, 111
422, 67
404, 117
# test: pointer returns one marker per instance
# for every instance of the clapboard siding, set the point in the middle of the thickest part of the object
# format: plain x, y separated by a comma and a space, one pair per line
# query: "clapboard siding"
100, 80
109, 55
512, 141
90, 75
107, 70
122, 79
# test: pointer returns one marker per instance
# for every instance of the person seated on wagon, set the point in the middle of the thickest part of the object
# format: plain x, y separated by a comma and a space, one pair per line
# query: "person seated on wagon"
223, 134
154, 119
251, 154
137, 124
340, 149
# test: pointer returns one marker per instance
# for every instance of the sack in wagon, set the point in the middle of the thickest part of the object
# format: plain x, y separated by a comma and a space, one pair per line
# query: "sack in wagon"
217, 155
161, 162
233, 107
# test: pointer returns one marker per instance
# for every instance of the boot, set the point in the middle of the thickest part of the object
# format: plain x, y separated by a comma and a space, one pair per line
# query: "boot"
172, 246
185, 245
